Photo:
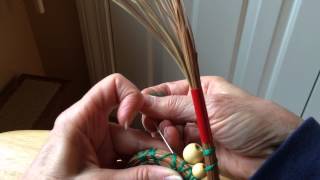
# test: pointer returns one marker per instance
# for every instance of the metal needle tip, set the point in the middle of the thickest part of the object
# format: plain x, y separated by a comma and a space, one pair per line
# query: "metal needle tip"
163, 138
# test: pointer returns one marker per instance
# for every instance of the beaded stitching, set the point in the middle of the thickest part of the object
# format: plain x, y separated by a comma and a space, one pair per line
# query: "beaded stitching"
143, 156
209, 152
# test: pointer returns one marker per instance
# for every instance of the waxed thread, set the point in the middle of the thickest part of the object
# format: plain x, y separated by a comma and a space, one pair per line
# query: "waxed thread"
209, 152
142, 156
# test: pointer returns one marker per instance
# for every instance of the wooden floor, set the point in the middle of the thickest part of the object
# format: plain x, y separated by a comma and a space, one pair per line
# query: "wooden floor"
17, 150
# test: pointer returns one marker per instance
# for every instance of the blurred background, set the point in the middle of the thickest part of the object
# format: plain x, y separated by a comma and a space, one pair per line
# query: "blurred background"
53, 51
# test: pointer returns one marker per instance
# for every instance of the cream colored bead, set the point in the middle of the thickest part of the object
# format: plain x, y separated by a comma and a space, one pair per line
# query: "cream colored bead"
192, 153
198, 170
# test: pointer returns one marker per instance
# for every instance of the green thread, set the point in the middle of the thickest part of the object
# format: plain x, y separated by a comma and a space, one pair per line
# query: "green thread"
173, 164
180, 168
210, 167
165, 156
151, 154
142, 156
208, 152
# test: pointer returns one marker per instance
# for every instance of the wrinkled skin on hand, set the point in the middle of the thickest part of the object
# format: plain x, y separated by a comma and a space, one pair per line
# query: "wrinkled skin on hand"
246, 129
84, 145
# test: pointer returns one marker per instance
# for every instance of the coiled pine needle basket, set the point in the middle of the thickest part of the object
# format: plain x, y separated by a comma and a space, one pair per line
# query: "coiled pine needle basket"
163, 158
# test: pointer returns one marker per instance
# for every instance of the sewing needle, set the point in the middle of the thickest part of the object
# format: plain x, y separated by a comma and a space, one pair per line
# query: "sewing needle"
163, 138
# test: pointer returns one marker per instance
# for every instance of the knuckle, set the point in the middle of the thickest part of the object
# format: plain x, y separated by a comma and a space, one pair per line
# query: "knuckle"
174, 106
143, 173
217, 102
173, 102
218, 98
110, 78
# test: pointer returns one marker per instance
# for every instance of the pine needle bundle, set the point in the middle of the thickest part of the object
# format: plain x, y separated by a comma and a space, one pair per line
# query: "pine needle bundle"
167, 21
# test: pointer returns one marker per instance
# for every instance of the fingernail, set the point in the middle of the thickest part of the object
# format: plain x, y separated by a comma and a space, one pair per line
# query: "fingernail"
165, 131
174, 177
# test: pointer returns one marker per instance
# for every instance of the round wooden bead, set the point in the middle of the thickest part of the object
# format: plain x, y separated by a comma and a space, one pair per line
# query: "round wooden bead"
192, 153
198, 170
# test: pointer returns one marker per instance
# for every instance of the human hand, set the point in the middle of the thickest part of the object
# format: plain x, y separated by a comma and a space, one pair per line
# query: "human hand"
84, 145
246, 129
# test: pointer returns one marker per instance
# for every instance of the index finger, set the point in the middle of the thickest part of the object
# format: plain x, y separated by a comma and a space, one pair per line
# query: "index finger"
180, 87
90, 113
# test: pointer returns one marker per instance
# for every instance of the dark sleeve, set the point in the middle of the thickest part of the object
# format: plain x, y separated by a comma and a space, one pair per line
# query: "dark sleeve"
297, 158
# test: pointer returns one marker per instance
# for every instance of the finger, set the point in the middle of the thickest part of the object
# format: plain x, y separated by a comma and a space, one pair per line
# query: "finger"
218, 85
170, 88
131, 141
180, 129
210, 84
163, 124
178, 109
214, 84
89, 114
191, 133
172, 135
170, 132
145, 172
102, 98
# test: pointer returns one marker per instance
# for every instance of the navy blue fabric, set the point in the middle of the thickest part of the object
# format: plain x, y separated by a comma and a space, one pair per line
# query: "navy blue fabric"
297, 158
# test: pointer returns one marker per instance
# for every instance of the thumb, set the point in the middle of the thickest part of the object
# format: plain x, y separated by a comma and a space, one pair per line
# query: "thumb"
176, 108
144, 172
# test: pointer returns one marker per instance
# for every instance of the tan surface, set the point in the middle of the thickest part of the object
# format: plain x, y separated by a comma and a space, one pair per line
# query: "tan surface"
18, 149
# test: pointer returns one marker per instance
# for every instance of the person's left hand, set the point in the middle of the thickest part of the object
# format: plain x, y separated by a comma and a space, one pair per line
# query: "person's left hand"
84, 145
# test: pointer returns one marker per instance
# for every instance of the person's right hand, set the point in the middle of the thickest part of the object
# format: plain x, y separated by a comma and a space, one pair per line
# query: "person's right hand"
246, 129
